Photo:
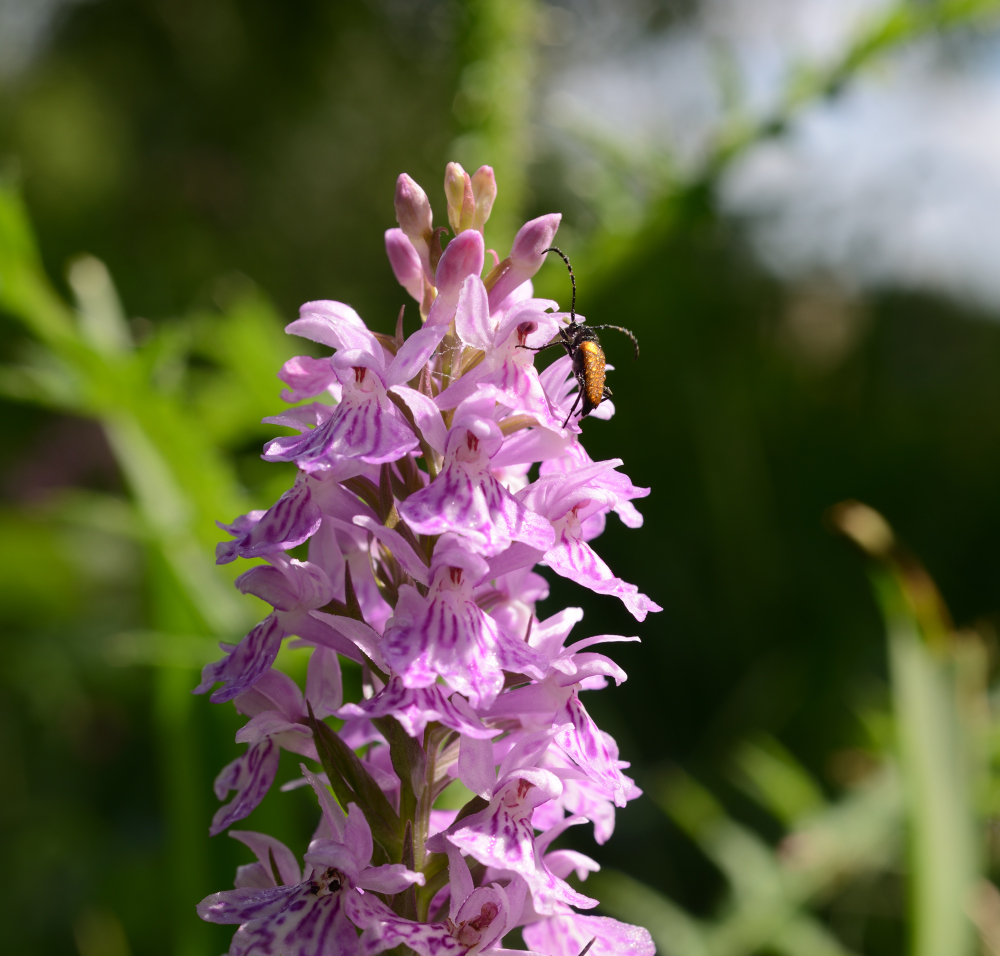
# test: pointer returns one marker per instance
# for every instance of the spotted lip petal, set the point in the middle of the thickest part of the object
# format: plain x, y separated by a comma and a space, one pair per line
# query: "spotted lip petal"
447, 634
502, 836
307, 925
364, 426
467, 499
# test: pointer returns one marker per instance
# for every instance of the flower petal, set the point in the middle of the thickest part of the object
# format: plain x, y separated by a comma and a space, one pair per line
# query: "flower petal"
307, 377
567, 934
263, 846
245, 664
292, 519
250, 775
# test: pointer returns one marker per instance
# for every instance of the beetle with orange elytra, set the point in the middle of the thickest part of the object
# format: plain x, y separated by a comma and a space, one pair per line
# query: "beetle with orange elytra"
583, 346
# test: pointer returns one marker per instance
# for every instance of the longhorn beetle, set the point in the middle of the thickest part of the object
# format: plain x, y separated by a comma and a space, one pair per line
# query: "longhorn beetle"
584, 348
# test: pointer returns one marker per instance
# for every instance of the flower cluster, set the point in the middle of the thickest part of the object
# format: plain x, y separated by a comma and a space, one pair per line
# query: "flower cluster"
422, 525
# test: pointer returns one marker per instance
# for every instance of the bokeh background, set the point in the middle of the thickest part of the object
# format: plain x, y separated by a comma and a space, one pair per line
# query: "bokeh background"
796, 206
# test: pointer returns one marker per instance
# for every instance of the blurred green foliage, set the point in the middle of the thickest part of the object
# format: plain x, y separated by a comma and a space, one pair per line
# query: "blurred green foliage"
227, 160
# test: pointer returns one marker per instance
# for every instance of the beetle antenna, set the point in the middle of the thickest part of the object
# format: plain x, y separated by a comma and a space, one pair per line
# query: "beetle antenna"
572, 278
627, 332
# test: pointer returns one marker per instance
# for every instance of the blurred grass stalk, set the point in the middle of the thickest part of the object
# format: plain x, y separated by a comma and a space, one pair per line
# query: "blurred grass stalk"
177, 481
939, 693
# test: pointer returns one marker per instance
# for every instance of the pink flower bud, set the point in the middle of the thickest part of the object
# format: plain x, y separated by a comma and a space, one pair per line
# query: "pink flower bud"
405, 262
526, 257
462, 257
413, 213
484, 191
461, 202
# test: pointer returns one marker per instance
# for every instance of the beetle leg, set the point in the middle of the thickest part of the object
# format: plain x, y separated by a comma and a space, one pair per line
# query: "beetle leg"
539, 348
579, 395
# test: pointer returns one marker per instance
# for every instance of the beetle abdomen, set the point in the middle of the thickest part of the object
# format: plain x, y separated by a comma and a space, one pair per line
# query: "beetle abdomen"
593, 374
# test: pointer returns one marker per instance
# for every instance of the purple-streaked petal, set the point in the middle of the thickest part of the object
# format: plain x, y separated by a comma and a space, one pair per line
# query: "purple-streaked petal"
311, 924
263, 846
292, 519
573, 558
501, 836
247, 903
584, 742
414, 708
250, 775
365, 425
240, 669
472, 503
427, 939
445, 635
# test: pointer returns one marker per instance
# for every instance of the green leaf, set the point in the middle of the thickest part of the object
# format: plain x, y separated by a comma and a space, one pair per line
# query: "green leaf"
352, 782
409, 762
